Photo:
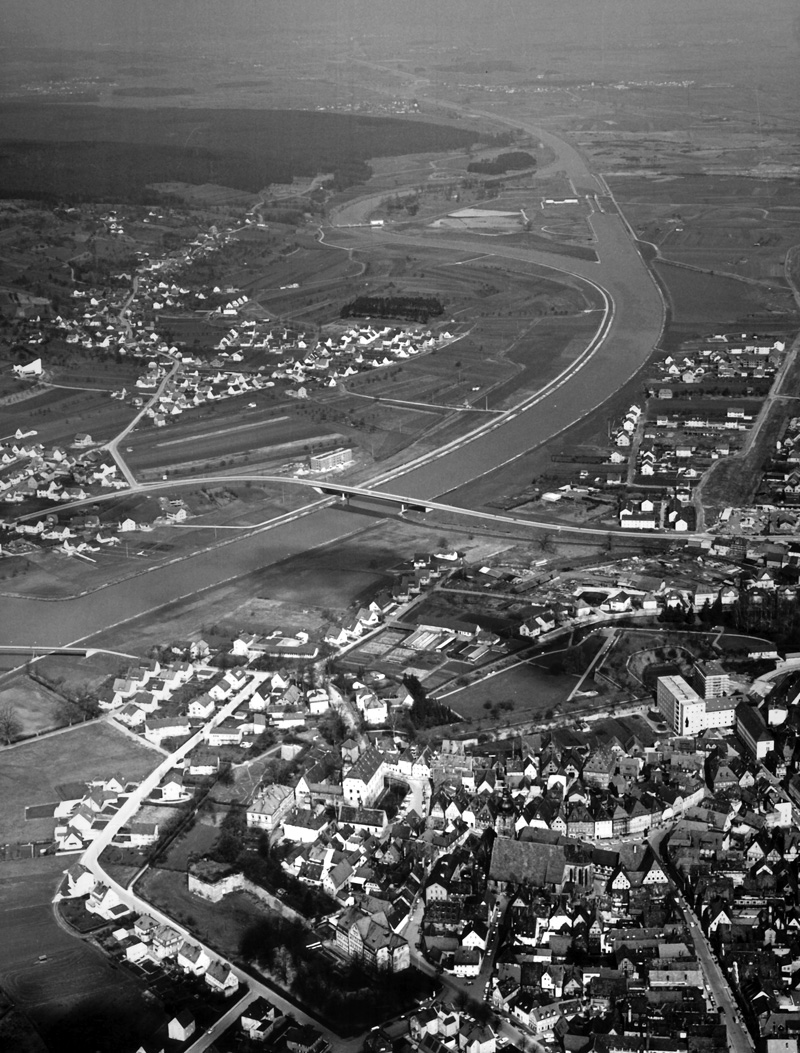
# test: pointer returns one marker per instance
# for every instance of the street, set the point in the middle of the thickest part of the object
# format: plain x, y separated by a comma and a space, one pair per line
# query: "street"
738, 1034
91, 860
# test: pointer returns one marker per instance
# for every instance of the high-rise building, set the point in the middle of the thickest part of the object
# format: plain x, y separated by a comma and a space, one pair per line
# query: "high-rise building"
683, 708
710, 680
687, 712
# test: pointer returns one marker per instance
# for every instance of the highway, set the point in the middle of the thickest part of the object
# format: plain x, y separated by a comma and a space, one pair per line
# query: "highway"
37, 623
630, 327
367, 493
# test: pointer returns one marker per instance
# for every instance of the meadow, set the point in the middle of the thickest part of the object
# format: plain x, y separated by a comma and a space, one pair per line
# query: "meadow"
532, 689
31, 773
75, 998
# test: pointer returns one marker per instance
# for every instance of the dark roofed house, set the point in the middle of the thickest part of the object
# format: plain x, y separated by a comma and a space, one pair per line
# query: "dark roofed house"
526, 863
182, 1027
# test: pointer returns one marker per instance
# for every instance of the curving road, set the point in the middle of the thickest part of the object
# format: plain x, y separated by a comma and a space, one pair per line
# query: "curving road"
630, 328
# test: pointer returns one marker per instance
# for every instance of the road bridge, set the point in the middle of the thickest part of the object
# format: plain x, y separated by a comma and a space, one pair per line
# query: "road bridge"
630, 327
39, 650
407, 502
345, 493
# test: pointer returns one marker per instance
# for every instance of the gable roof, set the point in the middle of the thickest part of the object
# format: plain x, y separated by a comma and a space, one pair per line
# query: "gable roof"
526, 862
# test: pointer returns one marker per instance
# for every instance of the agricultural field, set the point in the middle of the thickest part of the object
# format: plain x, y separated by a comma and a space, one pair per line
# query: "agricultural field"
319, 270
16, 1031
721, 225
235, 435
77, 675
386, 653
699, 303
32, 772
521, 329
75, 998
217, 513
748, 242
313, 587
58, 413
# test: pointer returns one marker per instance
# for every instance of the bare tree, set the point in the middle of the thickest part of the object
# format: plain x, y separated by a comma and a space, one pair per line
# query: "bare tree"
546, 542
10, 726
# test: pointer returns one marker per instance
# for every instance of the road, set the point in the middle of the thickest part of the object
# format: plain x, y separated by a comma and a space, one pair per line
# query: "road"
596, 662
750, 442
475, 989
630, 327
74, 621
91, 859
113, 445
369, 493
233, 1014
739, 1038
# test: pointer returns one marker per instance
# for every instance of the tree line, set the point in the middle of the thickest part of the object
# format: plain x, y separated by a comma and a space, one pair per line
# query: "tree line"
513, 161
412, 308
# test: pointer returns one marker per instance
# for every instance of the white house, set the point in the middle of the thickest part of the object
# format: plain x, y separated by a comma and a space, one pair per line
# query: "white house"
221, 978
192, 959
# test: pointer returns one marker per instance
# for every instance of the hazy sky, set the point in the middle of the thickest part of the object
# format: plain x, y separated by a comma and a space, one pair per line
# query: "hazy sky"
498, 25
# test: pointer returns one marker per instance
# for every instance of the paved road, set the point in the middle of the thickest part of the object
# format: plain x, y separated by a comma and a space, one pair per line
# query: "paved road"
204, 1040
631, 327
636, 308
739, 1038
388, 492
630, 330
91, 859
113, 445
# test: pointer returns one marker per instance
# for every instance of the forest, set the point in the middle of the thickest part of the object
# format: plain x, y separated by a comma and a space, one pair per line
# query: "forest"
91, 153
